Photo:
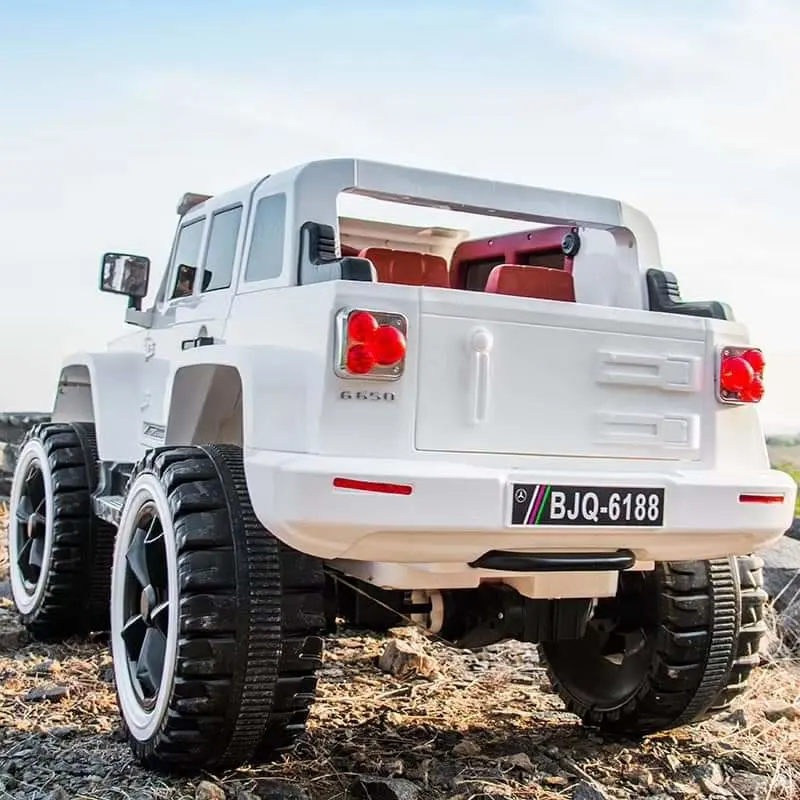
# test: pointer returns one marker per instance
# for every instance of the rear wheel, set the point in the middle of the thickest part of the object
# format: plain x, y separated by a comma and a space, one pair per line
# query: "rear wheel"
675, 646
59, 553
214, 622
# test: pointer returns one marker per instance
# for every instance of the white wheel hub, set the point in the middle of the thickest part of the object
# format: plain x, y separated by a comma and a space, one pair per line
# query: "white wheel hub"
26, 522
134, 604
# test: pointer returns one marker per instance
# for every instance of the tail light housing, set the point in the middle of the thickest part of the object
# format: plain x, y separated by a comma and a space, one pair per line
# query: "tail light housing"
740, 375
370, 345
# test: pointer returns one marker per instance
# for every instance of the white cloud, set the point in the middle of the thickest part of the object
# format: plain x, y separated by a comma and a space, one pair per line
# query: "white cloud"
726, 80
689, 116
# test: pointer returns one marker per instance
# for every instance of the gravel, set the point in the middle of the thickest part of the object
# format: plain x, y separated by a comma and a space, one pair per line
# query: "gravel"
454, 725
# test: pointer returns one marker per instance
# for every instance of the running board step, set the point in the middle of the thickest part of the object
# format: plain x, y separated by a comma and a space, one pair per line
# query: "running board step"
109, 507
555, 562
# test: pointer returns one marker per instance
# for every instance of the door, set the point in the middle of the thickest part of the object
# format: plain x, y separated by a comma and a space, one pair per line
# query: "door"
193, 304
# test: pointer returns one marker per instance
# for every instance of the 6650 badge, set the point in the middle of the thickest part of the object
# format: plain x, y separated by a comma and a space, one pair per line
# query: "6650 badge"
548, 504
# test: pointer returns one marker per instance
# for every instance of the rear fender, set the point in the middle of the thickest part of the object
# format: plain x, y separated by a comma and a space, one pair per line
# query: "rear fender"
259, 397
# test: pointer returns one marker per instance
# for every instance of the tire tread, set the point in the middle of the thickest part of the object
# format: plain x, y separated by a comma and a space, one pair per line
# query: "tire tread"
248, 647
712, 623
75, 601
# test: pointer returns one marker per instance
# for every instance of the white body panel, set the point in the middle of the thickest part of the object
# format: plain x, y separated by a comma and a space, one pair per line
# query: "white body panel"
496, 390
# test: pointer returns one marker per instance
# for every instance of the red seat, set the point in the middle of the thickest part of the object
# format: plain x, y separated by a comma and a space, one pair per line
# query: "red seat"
473, 260
540, 282
407, 267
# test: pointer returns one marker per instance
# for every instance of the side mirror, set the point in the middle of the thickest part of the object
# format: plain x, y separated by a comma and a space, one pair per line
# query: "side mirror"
126, 274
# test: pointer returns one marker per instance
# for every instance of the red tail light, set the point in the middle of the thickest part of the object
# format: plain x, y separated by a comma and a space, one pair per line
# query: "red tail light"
388, 345
370, 344
361, 326
741, 375
359, 359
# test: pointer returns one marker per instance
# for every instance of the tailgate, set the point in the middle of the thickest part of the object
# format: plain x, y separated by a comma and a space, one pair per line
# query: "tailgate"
519, 376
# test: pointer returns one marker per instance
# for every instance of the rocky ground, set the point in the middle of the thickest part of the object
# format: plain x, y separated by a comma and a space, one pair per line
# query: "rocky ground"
461, 726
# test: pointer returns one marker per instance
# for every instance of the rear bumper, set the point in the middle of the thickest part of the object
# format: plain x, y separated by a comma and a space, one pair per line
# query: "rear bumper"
457, 512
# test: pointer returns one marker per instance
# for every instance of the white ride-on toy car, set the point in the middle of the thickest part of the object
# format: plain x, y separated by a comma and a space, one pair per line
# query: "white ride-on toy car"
527, 436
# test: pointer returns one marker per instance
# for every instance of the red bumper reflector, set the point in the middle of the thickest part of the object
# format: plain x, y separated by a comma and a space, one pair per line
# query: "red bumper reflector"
761, 498
372, 486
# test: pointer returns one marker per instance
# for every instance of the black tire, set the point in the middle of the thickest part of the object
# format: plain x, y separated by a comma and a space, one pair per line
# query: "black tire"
59, 552
703, 622
238, 675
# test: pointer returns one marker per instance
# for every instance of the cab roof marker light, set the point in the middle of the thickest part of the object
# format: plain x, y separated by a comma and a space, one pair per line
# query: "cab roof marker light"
190, 200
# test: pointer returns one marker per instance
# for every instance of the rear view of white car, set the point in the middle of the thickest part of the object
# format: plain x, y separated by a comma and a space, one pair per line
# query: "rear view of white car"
527, 435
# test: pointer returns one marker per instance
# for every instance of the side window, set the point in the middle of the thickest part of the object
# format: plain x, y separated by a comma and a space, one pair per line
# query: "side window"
221, 250
187, 253
265, 259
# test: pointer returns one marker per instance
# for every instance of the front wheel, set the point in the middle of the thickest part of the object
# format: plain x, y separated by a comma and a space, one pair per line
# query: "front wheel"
214, 621
675, 646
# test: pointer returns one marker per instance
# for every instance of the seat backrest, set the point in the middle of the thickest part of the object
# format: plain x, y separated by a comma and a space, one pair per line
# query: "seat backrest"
540, 282
473, 260
407, 267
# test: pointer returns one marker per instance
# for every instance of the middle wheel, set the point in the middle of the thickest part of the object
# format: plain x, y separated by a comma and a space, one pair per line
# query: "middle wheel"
214, 621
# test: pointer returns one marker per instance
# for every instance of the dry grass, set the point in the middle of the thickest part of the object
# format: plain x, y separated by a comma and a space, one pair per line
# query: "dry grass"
522, 745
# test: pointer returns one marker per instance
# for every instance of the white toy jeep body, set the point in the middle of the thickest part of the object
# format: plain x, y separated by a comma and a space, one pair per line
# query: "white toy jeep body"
498, 394
550, 416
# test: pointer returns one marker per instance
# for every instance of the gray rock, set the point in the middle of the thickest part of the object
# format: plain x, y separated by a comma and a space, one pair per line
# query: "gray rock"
51, 693
403, 658
64, 732
777, 710
710, 772
585, 791
12, 639
520, 761
781, 565
741, 718
782, 583
750, 785
466, 748
372, 788
43, 668
714, 789
794, 529
209, 791
272, 789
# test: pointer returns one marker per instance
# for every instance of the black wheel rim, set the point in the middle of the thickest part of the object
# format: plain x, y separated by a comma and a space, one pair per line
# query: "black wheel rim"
146, 603
30, 529
606, 667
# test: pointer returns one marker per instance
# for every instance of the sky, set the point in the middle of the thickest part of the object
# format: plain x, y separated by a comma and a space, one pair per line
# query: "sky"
110, 111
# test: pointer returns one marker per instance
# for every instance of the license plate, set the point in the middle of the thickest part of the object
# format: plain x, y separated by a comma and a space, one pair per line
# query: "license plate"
545, 504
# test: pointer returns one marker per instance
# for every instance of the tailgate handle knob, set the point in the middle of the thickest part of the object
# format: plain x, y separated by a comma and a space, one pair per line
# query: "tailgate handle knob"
481, 345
